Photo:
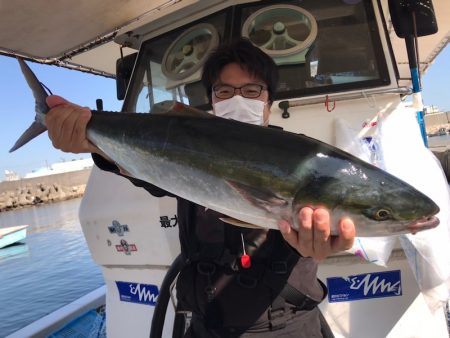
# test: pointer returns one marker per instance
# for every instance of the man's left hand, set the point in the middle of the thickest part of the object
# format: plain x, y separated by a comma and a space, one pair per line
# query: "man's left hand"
313, 237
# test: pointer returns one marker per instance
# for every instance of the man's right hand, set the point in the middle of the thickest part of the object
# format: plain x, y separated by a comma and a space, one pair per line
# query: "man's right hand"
66, 123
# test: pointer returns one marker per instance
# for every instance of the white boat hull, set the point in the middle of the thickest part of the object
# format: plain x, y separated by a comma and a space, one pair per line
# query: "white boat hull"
12, 235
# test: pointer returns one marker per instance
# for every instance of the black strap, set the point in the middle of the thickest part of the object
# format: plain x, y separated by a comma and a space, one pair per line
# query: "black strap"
283, 260
295, 297
324, 327
299, 299
277, 319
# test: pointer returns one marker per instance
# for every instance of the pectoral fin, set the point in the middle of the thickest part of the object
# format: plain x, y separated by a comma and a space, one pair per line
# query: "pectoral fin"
260, 197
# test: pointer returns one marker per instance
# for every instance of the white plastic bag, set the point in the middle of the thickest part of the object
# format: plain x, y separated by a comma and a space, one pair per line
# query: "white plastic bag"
396, 146
405, 156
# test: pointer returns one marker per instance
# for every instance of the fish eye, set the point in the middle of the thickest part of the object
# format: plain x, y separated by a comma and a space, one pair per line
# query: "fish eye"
382, 214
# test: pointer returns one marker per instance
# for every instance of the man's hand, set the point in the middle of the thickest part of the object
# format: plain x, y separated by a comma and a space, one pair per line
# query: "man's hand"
66, 123
313, 238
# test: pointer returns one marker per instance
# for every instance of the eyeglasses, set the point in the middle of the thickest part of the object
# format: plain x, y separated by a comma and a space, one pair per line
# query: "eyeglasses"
250, 90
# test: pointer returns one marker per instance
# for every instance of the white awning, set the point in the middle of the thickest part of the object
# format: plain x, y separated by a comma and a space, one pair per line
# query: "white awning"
75, 34
80, 34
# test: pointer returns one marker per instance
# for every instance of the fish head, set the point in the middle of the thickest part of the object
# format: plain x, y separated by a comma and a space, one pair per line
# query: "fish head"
379, 203
394, 207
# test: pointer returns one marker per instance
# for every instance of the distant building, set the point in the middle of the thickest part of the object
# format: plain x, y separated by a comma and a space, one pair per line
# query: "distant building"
431, 110
11, 176
62, 167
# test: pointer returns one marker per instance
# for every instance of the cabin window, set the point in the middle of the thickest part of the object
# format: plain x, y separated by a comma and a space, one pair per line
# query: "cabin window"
319, 47
338, 44
169, 66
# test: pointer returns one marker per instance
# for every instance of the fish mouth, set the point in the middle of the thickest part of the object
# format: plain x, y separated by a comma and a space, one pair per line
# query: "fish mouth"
424, 223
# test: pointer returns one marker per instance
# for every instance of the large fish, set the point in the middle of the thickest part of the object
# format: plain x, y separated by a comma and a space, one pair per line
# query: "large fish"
252, 174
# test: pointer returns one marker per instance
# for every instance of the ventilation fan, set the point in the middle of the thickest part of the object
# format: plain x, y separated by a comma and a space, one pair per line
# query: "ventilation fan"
285, 32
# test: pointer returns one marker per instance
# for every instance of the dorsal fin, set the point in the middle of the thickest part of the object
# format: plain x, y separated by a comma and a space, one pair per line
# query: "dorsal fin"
175, 108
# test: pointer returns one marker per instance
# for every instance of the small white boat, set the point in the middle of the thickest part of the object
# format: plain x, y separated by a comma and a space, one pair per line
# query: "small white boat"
12, 235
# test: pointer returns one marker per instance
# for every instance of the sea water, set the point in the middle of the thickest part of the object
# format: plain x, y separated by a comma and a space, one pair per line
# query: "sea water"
441, 142
51, 268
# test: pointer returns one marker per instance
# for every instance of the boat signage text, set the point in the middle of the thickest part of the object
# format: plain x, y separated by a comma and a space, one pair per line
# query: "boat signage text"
364, 286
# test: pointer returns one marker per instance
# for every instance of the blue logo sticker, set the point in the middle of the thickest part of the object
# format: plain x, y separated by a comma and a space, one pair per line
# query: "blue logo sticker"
365, 286
138, 293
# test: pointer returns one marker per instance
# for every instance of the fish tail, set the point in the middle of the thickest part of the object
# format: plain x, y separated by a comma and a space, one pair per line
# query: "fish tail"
39, 93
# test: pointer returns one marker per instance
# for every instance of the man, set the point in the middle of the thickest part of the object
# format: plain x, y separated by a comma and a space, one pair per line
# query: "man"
237, 281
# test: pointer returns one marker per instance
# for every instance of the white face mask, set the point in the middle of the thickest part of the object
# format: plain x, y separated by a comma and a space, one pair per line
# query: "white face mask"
241, 109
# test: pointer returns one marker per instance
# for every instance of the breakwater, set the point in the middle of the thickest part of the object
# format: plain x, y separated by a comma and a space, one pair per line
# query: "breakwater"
44, 189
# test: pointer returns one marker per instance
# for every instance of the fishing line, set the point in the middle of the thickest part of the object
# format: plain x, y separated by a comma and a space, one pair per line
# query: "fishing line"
46, 88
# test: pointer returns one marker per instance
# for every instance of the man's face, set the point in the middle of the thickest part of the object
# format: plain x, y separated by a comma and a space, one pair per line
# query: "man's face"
233, 75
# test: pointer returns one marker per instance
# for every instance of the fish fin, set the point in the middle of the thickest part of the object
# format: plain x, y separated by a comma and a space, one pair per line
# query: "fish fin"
236, 222
261, 198
34, 130
36, 87
41, 108
175, 108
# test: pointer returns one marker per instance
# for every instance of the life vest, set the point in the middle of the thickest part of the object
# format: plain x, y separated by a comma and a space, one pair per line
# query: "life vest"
217, 284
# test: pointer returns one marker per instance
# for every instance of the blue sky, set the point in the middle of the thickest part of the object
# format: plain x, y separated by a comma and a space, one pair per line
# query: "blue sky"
17, 105
435, 82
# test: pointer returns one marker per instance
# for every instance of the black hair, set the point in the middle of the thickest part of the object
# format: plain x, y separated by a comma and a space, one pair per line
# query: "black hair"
248, 56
